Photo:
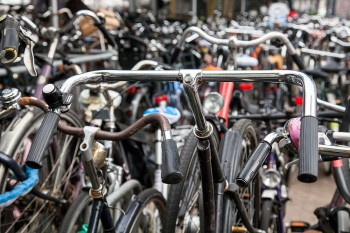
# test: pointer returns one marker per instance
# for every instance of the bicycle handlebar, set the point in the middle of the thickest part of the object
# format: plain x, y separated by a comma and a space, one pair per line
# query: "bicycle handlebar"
97, 21
9, 39
100, 134
323, 53
259, 155
234, 42
42, 140
308, 165
12, 36
309, 139
256, 160
170, 169
340, 42
137, 66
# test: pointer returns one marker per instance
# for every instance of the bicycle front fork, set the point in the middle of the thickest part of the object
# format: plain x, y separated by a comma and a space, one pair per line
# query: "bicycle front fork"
211, 171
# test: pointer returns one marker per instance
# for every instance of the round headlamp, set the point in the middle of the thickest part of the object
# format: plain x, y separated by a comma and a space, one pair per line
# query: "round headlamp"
271, 178
213, 102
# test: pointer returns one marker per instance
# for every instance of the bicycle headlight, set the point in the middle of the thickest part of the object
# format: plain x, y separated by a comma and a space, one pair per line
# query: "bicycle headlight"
213, 102
270, 178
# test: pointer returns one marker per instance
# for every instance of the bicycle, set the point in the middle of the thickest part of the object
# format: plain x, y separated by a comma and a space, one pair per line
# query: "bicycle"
60, 177
190, 79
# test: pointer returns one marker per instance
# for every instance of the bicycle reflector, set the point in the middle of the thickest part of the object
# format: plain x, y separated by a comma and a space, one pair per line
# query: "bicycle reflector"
213, 102
246, 86
298, 101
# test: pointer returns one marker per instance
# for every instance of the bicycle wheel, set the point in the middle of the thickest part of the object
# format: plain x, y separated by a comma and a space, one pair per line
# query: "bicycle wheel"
232, 162
144, 215
270, 221
183, 212
59, 178
188, 189
78, 215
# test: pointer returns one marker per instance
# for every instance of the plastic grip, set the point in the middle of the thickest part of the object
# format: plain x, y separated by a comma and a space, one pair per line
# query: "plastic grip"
42, 140
252, 166
175, 55
297, 60
170, 163
308, 150
106, 34
9, 40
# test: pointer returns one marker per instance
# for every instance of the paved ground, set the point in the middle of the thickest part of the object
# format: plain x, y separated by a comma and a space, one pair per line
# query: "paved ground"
305, 198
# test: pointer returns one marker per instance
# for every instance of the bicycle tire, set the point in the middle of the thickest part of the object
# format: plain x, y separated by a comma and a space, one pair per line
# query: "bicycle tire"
268, 222
78, 214
58, 178
137, 217
188, 159
232, 164
75, 212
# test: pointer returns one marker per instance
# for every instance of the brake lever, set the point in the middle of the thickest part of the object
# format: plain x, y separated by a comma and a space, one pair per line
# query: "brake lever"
28, 52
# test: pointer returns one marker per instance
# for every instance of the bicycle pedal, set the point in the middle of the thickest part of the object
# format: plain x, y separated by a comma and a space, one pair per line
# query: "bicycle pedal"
239, 229
298, 226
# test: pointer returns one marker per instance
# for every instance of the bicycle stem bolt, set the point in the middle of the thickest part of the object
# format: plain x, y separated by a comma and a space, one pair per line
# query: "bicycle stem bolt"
188, 79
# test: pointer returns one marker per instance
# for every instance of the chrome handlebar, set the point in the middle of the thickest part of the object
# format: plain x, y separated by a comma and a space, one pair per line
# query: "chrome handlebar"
234, 42
284, 76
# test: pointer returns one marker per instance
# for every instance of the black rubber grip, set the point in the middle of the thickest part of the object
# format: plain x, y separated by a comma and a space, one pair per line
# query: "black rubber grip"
170, 163
308, 150
9, 40
106, 34
297, 60
175, 55
42, 140
254, 163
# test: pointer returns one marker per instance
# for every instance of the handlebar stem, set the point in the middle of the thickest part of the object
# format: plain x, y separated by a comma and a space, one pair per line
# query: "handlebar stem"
86, 148
191, 84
